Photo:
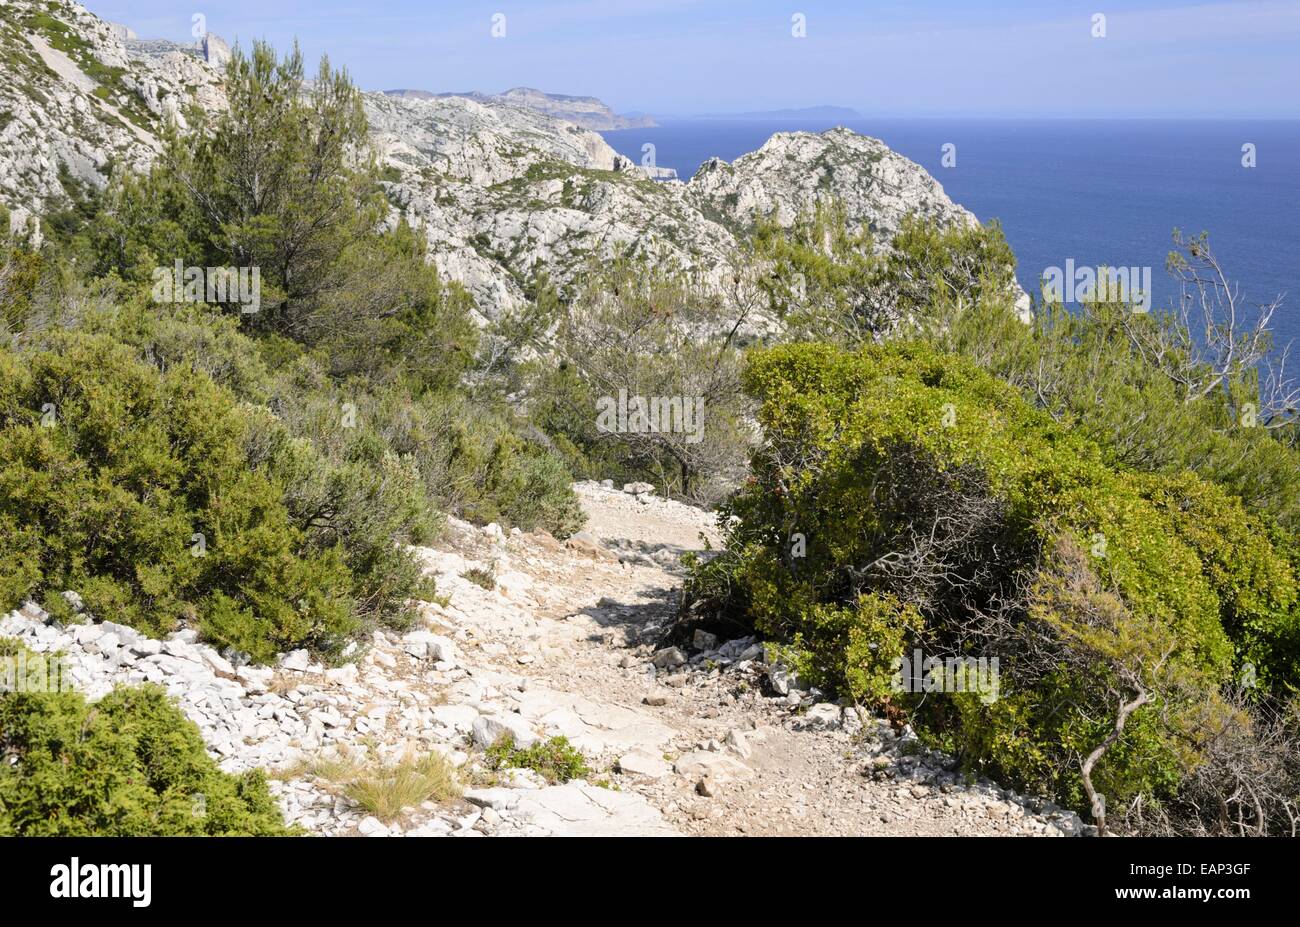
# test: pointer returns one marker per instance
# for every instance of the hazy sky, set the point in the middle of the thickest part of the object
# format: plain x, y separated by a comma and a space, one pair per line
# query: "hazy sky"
1234, 58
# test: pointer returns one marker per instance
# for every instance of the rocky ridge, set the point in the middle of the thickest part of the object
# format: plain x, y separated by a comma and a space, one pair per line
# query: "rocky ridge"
587, 112
503, 187
565, 640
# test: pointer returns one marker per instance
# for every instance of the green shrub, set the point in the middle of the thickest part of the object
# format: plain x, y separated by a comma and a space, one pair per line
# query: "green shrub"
636, 331
556, 760
1090, 369
133, 487
480, 577
129, 765
904, 498
826, 283
474, 461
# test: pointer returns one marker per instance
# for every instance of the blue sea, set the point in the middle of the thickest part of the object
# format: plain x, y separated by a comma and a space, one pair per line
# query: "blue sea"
1103, 193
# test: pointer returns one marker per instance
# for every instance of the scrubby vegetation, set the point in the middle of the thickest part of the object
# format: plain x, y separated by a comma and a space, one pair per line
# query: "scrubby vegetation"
1109, 518
385, 790
131, 765
555, 760
249, 463
132, 486
1104, 501
647, 381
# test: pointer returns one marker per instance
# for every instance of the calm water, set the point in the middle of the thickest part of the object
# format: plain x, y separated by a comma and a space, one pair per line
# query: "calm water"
1100, 192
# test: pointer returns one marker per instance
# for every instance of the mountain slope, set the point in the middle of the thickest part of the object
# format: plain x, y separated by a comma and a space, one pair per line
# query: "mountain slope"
75, 103
504, 187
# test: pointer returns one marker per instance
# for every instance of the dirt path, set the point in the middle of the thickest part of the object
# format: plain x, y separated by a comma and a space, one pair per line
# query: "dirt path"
706, 743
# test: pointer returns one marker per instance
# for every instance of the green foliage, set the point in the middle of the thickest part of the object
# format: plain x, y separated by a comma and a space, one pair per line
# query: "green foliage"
1246, 562
471, 460
21, 273
481, 578
132, 487
635, 333
1088, 370
1145, 386
940, 510
827, 283
279, 184
556, 760
281, 190
129, 765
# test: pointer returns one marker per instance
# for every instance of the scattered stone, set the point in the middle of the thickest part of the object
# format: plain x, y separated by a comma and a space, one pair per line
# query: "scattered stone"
488, 729
344, 675
781, 679
372, 827
719, 767
739, 742
643, 763
427, 645
297, 660
823, 716
703, 640
668, 658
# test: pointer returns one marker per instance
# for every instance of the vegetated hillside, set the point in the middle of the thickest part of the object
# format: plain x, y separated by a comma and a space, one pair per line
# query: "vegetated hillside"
451, 295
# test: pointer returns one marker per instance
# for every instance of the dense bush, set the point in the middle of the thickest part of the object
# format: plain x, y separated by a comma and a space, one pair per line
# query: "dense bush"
132, 487
129, 765
1185, 388
358, 347
1088, 369
555, 760
471, 460
904, 498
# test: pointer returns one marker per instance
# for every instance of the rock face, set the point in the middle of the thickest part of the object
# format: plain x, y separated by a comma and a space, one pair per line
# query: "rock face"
504, 187
504, 192
587, 112
74, 100
876, 185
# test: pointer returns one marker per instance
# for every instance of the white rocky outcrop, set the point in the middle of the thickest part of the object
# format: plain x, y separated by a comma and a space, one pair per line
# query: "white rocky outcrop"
793, 170
587, 112
74, 101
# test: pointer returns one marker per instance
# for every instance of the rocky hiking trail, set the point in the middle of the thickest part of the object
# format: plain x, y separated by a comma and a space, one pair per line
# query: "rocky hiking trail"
567, 641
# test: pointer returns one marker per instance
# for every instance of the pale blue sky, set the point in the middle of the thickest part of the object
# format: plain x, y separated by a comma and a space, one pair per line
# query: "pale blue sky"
996, 58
